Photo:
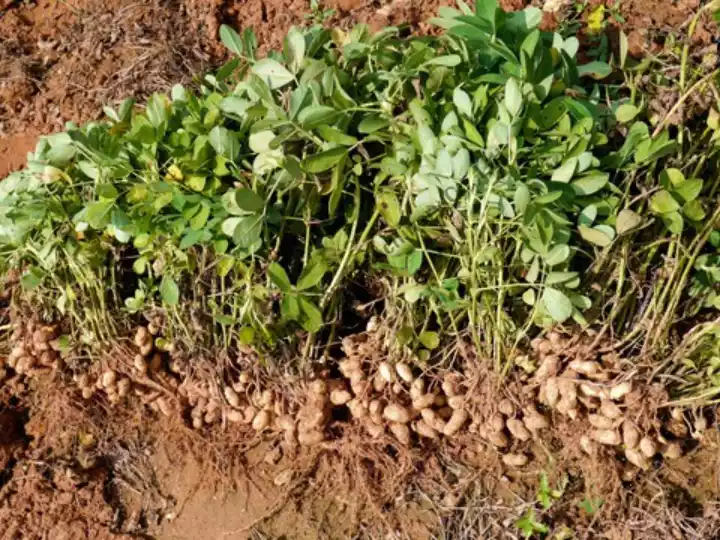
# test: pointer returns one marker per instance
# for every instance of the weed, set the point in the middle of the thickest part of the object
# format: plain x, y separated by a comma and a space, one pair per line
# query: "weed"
529, 525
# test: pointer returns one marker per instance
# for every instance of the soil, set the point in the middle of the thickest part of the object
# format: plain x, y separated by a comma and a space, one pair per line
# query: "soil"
78, 466
72, 468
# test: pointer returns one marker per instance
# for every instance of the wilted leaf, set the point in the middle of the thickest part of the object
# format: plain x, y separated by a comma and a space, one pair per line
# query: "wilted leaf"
595, 70
627, 220
389, 207
429, 340
594, 236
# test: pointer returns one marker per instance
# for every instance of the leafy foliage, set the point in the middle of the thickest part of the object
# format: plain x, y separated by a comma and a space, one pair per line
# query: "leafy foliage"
469, 177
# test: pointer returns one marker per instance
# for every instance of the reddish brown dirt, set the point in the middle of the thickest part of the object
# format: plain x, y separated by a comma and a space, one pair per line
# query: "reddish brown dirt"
84, 469
648, 23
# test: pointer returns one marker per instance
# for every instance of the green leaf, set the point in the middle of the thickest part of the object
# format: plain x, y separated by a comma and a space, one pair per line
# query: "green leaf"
225, 265
231, 39
463, 102
290, 308
625, 113
190, 239
295, 48
595, 70
107, 191
273, 73
557, 304
674, 222
157, 110
449, 60
196, 182
554, 278
323, 161
413, 293
230, 224
332, 135
529, 297
389, 206
627, 220
694, 210
587, 215
97, 214
246, 335
671, 178
689, 190
549, 197
32, 278
372, 123
414, 262
429, 340
566, 171
487, 9
313, 316
279, 277
312, 275
248, 200
199, 220
557, 255
248, 231
623, 49
590, 183
663, 203
259, 141
426, 137
534, 271
140, 265
169, 291
521, 198
594, 236
224, 142
316, 115
513, 96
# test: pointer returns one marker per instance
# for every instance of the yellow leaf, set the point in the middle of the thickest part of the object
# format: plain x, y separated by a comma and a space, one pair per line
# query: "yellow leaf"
174, 173
596, 18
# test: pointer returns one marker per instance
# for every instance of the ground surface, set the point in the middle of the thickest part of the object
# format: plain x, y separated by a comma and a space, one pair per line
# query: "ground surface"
61, 61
